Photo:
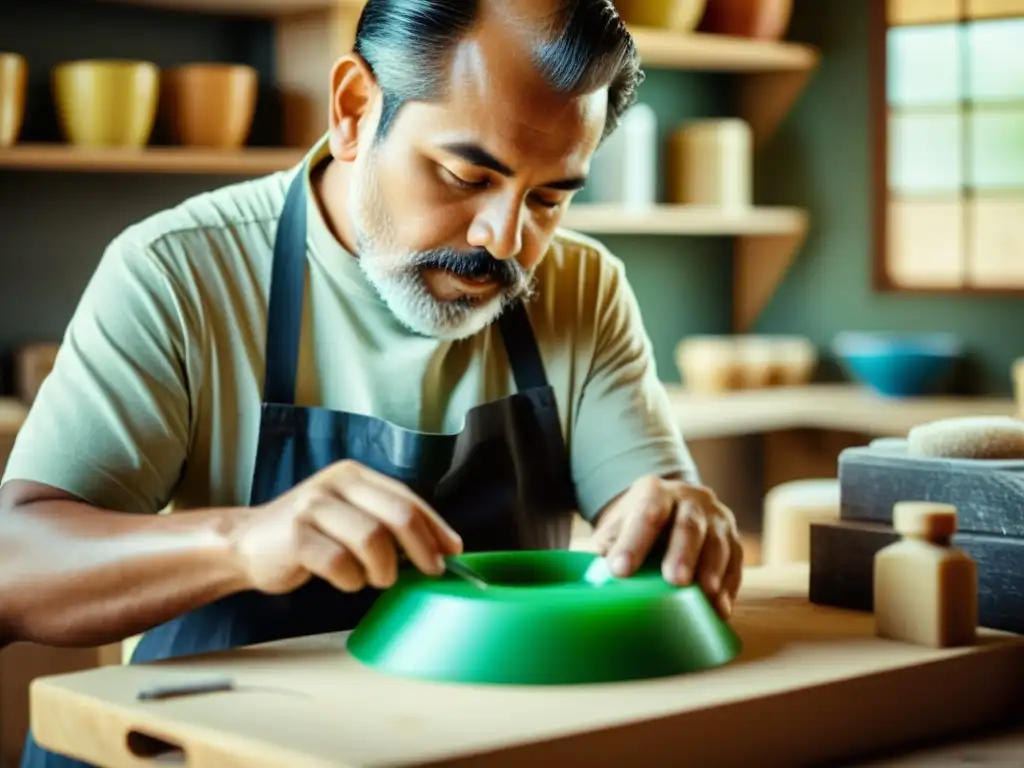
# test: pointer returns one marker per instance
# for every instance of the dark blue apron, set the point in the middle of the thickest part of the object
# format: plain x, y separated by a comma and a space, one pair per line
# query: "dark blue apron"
503, 482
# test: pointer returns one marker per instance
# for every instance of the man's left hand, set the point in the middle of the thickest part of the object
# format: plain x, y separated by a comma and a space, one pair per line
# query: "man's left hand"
703, 543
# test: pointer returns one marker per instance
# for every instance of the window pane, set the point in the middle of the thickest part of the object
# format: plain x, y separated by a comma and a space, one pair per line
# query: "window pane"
926, 243
982, 8
996, 252
922, 11
925, 153
997, 148
923, 65
996, 60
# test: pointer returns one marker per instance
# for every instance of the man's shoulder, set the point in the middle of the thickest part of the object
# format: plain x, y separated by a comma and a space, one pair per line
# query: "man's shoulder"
578, 269
231, 217
571, 251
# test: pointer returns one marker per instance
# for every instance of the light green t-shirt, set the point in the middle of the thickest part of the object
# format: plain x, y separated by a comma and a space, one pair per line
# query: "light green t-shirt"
154, 399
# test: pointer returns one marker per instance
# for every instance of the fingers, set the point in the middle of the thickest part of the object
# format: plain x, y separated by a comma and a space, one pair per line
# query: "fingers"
732, 578
356, 477
706, 548
406, 523
363, 536
686, 542
322, 556
649, 508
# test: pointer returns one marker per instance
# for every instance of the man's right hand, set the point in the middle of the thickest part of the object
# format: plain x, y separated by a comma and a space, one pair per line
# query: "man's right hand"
345, 524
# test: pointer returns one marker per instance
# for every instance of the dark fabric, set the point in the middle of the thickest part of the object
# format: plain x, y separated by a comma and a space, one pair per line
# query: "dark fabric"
503, 482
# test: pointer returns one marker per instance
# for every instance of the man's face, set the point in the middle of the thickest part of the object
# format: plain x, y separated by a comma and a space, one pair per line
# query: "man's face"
454, 209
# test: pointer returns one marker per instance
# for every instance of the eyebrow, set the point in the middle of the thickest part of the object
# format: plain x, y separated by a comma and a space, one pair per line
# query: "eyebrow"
477, 155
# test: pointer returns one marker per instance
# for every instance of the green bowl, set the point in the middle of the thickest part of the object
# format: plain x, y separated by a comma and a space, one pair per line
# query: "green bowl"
546, 618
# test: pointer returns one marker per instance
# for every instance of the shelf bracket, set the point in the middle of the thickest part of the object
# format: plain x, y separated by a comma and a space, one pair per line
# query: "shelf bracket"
760, 262
765, 99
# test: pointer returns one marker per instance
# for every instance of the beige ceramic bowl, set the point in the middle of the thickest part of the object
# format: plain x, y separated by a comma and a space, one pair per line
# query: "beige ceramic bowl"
13, 77
674, 15
708, 364
209, 105
795, 359
714, 364
107, 103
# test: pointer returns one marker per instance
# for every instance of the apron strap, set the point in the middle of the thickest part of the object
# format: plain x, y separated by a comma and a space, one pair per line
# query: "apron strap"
287, 288
521, 347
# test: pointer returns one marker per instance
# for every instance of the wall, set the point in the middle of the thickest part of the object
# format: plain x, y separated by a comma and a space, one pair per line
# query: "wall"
821, 159
55, 225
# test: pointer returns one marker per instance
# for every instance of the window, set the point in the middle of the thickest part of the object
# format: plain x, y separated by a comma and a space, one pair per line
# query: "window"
950, 101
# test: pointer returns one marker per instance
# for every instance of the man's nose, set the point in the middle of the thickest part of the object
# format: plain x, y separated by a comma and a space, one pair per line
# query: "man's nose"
499, 229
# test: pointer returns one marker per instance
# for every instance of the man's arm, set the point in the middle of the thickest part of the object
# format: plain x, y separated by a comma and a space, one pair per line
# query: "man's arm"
624, 428
75, 575
635, 478
84, 558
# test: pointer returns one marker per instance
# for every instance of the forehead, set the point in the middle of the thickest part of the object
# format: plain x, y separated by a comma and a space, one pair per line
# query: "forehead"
495, 94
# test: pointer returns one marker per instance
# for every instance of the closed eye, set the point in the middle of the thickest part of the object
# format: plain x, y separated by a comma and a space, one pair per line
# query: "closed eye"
546, 203
462, 183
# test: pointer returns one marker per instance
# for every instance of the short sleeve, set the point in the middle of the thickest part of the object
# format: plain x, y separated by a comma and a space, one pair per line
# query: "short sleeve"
110, 424
624, 428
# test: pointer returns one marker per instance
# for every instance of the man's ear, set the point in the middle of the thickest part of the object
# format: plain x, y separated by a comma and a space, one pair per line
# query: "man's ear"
353, 89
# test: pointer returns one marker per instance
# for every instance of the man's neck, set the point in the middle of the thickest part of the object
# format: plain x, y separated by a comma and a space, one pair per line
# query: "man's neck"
330, 188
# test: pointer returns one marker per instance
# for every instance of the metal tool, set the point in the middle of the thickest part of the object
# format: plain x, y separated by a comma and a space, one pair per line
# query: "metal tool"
189, 688
463, 571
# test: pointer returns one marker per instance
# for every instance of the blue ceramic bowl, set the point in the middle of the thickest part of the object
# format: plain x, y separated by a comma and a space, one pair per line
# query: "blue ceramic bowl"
899, 364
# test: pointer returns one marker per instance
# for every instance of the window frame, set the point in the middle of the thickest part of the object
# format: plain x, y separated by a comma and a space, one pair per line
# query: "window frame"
881, 193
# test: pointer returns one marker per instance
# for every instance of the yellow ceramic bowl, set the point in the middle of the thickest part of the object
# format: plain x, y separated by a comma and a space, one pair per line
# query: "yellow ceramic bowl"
675, 15
107, 103
13, 77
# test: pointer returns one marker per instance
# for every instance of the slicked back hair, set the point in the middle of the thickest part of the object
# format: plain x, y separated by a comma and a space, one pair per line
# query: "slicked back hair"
406, 44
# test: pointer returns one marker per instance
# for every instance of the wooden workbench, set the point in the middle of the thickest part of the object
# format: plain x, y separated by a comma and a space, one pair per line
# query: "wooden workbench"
839, 407
813, 684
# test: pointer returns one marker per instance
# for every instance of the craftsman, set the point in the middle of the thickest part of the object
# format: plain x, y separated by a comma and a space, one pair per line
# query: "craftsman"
390, 350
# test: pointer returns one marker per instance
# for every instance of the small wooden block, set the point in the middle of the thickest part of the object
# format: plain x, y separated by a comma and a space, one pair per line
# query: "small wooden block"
842, 570
988, 495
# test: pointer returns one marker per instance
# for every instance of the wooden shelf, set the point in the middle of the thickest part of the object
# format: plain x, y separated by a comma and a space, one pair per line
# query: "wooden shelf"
842, 407
254, 161
684, 220
719, 53
259, 8
768, 240
312, 34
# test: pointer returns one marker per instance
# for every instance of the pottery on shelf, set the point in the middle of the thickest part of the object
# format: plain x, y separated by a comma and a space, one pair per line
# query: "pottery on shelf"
716, 364
106, 103
710, 162
209, 105
758, 19
13, 80
674, 15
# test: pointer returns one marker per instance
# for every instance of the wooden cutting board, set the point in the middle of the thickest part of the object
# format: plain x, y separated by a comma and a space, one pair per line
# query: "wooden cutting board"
813, 684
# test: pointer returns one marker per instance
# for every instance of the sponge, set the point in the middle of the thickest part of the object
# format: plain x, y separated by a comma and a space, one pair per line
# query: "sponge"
969, 437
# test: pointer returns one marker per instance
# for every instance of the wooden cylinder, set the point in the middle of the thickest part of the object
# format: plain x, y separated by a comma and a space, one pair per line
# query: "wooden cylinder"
711, 164
790, 510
